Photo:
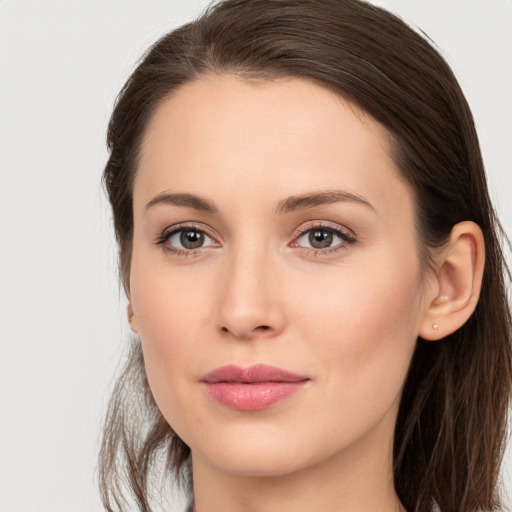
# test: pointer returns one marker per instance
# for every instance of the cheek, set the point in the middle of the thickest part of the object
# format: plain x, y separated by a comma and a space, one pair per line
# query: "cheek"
165, 311
169, 321
362, 326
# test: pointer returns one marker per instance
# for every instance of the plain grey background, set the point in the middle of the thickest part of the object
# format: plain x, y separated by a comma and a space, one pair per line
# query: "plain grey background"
62, 325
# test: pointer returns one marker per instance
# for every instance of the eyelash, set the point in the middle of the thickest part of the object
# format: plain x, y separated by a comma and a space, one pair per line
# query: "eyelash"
347, 239
167, 234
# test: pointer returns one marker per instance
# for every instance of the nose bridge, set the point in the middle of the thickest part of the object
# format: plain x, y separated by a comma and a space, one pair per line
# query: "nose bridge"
249, 300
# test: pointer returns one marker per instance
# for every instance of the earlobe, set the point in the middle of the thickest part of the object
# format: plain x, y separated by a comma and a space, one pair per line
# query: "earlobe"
457, 282
131, 318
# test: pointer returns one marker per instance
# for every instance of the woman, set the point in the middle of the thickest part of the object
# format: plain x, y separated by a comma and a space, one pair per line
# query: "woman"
313, 269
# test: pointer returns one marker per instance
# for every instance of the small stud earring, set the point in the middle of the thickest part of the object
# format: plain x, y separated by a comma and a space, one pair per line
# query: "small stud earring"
435, 327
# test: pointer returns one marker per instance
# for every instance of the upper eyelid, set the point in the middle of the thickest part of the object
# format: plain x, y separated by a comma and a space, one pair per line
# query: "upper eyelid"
334, 226
175, 228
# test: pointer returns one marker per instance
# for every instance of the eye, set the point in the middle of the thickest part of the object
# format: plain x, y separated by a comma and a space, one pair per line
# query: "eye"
322, 238
184, 239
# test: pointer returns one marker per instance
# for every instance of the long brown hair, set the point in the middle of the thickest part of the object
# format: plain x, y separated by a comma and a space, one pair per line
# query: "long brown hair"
451, 426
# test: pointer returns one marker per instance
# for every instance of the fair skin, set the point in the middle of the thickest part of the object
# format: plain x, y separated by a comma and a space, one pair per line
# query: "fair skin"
329, 287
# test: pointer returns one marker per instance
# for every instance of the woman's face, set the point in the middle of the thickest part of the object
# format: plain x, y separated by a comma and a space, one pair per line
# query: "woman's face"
271, 227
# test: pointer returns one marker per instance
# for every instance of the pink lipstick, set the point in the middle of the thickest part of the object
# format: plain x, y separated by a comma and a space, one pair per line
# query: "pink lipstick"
253, 388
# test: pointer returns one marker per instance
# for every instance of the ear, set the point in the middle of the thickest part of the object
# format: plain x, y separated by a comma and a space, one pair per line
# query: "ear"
131, 318
454, 289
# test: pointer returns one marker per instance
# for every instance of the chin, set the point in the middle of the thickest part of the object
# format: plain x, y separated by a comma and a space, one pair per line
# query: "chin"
264, 451
256, 462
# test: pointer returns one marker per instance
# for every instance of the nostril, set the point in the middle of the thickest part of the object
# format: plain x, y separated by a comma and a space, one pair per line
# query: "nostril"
241, 334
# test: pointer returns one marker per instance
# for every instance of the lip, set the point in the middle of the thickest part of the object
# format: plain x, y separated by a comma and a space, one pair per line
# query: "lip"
253, 388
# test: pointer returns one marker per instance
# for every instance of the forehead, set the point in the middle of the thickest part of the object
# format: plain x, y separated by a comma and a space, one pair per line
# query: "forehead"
223, 133
291, 106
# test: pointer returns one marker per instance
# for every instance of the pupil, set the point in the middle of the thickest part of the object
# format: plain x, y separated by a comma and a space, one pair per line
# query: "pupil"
191, 239
319, 239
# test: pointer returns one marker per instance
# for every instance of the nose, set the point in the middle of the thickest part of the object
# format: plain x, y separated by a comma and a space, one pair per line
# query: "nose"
250, 301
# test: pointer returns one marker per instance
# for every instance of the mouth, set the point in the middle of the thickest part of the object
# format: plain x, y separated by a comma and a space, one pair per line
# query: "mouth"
253, 388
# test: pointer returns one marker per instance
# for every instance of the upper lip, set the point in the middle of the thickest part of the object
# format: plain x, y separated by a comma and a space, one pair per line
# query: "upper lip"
254, 373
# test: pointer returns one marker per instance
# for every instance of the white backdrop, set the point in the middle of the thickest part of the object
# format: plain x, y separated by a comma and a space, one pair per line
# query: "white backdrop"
62, 323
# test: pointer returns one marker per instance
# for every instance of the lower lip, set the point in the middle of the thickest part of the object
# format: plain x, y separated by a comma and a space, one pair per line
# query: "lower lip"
252, 396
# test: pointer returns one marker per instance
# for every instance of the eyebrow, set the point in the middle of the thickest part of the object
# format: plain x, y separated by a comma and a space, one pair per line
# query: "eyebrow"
186, 200
292, 203
305, 201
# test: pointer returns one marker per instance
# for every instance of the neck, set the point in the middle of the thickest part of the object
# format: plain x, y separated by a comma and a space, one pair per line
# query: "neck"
358, 479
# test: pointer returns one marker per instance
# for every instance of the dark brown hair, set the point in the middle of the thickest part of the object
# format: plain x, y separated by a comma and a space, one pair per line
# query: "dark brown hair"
450, 432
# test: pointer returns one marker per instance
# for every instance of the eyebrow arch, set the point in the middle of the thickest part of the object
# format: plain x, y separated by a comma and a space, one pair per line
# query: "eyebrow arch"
318, 198
186, 200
